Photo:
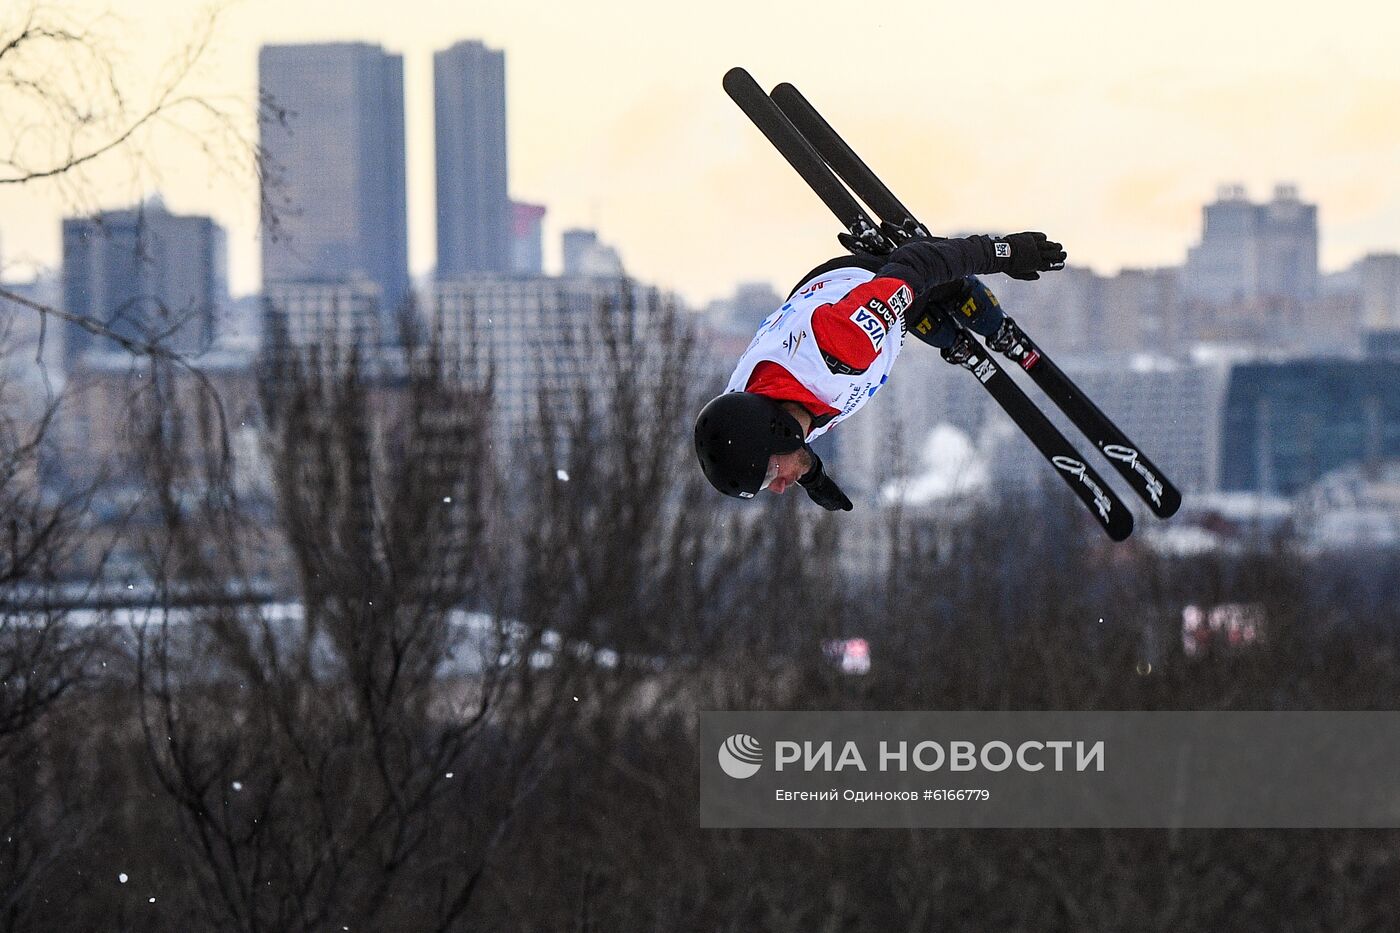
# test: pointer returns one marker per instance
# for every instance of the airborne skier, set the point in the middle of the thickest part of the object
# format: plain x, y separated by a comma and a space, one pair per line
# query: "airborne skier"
782, 395
821, 356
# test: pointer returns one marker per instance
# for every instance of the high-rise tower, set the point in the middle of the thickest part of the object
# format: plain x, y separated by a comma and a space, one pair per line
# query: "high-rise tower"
473, 209
1250, 251
336, 166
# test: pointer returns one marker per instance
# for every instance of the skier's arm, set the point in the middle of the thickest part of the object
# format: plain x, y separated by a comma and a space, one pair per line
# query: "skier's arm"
822, 489
924, 264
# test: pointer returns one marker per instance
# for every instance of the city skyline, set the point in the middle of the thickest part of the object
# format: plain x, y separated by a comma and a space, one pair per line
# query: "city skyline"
1129, 129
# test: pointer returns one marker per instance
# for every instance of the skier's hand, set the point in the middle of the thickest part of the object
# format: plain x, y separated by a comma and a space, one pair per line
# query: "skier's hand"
822, 489
862, 248
1025, 255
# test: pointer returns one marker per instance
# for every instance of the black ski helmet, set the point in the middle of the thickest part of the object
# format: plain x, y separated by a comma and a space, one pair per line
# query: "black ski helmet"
735, 435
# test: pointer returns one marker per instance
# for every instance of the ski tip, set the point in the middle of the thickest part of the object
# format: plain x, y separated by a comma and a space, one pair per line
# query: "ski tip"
1118, 524
737, 76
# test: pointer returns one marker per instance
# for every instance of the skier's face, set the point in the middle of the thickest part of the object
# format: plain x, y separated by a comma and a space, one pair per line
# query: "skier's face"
786, 469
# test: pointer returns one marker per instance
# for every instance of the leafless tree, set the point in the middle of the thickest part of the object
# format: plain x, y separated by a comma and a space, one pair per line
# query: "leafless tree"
72, 101
302, 765
319, 758
623, 547
77, 114
44, 657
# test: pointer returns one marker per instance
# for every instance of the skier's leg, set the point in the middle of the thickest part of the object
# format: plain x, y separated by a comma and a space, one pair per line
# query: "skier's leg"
934, 329
978, 308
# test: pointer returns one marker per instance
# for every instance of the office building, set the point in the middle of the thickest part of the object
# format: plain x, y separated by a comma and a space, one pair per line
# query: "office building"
334, 167
474, 219
1170, 408
147, 275
1136, 311
334, 316
1254, 251
585, 256
1288, 424
1063, 310
25, 336
1224, 267
1288, 247
538, 338
527, 239
1378, 277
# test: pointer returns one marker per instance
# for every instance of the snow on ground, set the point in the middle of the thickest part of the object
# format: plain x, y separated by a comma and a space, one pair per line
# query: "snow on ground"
950, 466
1181, 541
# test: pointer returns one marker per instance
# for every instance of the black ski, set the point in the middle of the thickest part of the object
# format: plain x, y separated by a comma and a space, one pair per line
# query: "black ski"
1102, 502
1122, 454
759, 108
1087, 484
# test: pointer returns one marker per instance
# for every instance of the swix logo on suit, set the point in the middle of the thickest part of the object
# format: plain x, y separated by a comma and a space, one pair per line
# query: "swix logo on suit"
794, 341
844, 294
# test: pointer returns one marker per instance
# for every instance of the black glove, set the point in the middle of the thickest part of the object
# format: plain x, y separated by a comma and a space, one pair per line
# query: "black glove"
822, 489
862, 247
1025, 255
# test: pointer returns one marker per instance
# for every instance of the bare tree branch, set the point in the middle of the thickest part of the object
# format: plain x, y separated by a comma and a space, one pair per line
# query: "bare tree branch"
53, 140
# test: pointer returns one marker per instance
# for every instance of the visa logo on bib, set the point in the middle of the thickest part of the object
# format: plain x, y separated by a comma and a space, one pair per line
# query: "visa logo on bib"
871, 326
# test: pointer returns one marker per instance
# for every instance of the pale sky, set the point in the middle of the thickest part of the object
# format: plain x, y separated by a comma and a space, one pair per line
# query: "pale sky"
1105, 124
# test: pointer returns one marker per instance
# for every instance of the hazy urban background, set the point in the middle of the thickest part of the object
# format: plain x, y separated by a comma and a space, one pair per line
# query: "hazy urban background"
1263, 386
373, 593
